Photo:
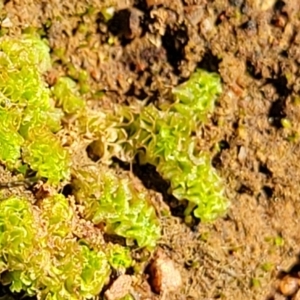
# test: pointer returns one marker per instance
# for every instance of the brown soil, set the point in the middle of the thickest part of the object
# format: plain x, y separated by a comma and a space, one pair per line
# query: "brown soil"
254, 45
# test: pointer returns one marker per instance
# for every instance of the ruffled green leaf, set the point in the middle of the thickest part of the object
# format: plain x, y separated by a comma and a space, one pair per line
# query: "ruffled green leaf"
164, 138
119, 257
94, 274
45, 155
115, 202
29, 50
22, 62
67, 96
10, 140
57, 215
17, 233
196, 97
26, 107
40, 256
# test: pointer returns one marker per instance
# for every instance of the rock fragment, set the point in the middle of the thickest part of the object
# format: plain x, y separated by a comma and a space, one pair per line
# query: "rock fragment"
119, 289
164, 277
289, 285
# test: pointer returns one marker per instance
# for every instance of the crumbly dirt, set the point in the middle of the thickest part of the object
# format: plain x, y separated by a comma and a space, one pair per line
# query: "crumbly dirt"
150, 46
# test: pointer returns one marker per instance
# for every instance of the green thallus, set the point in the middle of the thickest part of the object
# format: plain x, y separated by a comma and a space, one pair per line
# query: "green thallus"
39, 252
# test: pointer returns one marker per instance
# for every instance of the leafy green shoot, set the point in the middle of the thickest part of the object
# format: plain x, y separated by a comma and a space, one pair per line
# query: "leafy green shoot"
39, 254
196, 97
10, 140
36, 153
28, 118
119, 257
67, 96
115, 202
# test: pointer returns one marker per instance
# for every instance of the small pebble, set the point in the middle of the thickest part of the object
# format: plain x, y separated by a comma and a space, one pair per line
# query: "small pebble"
289, 285
119, 289
164, 276
6, 23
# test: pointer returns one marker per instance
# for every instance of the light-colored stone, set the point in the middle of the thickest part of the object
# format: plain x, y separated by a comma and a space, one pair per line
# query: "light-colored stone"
119, 289
164, 276
289, 285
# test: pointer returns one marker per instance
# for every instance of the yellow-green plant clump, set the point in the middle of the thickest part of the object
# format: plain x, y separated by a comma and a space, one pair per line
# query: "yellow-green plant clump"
165, 138
26, 107
67, 96
40, 255
39, 252
116, 203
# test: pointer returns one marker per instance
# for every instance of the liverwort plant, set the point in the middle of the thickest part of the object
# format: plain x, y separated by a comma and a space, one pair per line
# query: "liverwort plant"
40, 250
165, 138
172, 150
26, 109
196, 97
119, 257
40, 255
10, 140
117, 204
67, 96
